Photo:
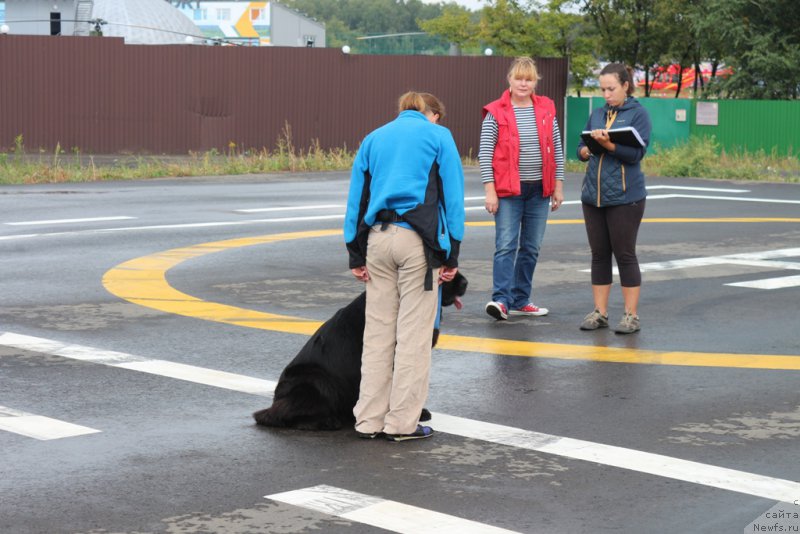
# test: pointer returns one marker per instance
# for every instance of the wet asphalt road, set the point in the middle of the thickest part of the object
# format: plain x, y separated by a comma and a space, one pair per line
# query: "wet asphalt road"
177, 456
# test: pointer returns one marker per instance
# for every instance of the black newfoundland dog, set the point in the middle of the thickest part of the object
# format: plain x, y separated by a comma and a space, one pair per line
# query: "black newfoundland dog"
319, 387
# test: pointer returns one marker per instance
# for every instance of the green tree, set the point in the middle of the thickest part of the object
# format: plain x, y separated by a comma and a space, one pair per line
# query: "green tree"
710, 42
347, 20
629, 32
455, 25
338, 34
514, 30
759, 39
572, 37
682, 47
692, 40
762, 46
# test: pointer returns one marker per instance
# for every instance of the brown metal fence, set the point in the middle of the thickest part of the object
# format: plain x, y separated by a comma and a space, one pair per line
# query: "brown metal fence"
98, 95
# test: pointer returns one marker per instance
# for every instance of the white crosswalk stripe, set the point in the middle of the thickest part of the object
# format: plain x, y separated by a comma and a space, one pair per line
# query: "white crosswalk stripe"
190, 373
767, 259
374, 511
39, 426
781, 282
643, 462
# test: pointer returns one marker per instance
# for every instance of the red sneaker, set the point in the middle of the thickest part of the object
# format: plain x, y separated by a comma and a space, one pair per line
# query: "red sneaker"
497, 310
530, 309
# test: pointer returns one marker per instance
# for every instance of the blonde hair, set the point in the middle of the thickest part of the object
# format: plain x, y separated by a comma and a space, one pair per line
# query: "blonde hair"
411, 100
523, 68
433, 104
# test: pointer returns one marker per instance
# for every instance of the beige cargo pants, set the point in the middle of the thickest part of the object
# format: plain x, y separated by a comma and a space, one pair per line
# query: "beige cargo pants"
400, 315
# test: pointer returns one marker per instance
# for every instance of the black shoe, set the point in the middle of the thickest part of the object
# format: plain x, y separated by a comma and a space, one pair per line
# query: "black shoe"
420, 433
368, 435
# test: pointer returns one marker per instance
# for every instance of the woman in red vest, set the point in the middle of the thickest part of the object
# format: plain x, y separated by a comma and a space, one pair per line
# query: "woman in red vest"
522, 170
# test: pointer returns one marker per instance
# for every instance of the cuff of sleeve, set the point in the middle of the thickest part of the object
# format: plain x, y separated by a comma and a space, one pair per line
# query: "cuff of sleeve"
455, 248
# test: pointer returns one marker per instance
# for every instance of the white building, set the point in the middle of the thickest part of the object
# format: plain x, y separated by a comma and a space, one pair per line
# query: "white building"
255, 23
137, 21
166, 21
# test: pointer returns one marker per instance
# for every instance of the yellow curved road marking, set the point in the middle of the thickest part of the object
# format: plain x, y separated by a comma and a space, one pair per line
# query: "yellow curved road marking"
143, 281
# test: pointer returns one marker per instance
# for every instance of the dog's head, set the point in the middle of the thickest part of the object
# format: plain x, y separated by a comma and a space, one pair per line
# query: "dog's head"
453, 290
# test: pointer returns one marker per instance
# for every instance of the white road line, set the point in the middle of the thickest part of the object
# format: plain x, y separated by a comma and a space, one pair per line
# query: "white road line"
334, 217
173, 226
687, 188
189, 373
770, 283
720, 260
766, 254
755, 259
66, 221
764, 259
483, 208
39, 426
377, 512
327, 206
767, 264
644, 462
291, 208
735, 199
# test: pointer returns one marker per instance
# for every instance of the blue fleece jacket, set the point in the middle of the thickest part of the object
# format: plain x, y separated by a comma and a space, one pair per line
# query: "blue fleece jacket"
393, 170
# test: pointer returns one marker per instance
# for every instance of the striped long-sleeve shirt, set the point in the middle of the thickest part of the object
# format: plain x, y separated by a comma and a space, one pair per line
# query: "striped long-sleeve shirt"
530, 154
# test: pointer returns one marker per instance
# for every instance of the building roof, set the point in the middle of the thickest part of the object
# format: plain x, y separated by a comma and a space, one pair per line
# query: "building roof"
144, 21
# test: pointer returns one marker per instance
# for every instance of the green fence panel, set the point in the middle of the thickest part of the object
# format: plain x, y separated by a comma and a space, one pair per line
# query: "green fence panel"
576, 115
751, 125
671, 119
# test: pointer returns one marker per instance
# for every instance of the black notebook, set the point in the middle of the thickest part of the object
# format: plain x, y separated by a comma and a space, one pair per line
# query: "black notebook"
627, 136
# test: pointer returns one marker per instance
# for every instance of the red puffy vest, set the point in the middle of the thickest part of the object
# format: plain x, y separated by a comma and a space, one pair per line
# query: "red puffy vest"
505, 163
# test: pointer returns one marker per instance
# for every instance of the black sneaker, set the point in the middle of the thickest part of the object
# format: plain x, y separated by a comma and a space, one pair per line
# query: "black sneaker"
368, 435
421, 432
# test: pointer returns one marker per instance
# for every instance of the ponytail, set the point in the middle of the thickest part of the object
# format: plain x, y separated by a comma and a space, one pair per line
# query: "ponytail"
623, 72
411, 100
433, 104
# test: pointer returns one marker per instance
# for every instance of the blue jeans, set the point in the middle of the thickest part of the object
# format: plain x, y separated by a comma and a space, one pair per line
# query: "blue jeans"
519, 229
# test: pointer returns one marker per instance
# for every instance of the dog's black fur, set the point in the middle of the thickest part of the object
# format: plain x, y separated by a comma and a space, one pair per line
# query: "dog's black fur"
319, 387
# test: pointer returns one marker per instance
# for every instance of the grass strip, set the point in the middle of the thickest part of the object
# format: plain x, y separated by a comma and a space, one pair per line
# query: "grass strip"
696, 158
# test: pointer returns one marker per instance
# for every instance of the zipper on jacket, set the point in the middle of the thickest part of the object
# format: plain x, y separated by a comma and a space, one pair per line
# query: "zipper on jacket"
622, 166
599, 169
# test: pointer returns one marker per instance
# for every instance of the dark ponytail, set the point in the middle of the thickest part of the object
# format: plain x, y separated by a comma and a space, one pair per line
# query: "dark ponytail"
623, 72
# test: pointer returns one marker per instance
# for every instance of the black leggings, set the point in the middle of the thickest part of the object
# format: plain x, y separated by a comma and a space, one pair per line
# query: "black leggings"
613, 230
